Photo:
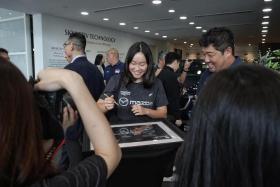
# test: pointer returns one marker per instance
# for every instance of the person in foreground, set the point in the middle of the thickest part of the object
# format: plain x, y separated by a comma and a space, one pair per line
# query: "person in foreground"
235, 135
136, 94
22, 159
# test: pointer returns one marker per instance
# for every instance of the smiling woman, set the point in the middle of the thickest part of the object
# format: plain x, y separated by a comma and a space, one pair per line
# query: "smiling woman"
139, 95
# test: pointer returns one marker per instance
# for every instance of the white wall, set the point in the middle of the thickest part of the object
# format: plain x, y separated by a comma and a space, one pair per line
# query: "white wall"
51, 32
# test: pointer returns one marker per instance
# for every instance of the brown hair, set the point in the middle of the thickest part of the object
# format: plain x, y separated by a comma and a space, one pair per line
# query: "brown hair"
22, 157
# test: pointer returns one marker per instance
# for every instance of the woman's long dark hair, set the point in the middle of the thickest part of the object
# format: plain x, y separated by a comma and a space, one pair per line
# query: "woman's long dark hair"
22, 157
98, 60
235, 135
149, 76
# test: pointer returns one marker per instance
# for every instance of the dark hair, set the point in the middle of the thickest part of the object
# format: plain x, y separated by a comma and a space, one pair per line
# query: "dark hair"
220, 37
79, 40
235, 135
170, 57
22, 159
2, 50
98, 59
149, 76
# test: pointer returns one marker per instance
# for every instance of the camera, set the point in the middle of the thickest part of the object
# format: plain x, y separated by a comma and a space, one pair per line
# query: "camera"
51, 105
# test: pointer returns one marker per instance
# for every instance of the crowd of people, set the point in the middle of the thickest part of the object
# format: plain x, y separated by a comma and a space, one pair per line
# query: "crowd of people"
234, 139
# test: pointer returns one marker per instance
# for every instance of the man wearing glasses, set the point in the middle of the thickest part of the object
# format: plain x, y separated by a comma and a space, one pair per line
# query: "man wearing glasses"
218, 50
74, 49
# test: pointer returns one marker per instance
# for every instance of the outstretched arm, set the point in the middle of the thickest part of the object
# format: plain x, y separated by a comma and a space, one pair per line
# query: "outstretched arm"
96, 125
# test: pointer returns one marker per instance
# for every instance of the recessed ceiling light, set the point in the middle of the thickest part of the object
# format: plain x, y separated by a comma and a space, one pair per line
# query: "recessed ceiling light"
164, 36
156, 2
147, 31
171, 10
267, 10
191, 23
185, 42
106, 19
85, 13
175, 39
264, 31
265, 23
135, 28
265, 27
263, 42
267, 0
264, 35
249, 44
204, 30
183, 17
198, 27
265, 17
156, 33
122, 23
263, 39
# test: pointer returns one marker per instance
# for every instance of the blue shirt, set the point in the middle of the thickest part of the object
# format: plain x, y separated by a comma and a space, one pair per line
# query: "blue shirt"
206, 74
109, 70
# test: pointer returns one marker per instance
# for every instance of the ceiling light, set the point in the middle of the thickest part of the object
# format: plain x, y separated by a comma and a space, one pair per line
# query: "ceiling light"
156, 33
204, 30
147, 31
191, 23
265, 27
267, 0
263, 42
191, 44
164, 36
265, 17
171, 10
265, 23
264, 31
10, 13
122, 23
175, 39
106, 19
185, 42
263, 35
85, 13
263, 39
249, 44
183, 17
267, 10
198, 27
135, 28
156, 2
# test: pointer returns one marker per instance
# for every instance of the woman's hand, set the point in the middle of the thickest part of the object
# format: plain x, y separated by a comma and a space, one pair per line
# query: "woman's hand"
109, 102
69, 117
139, 110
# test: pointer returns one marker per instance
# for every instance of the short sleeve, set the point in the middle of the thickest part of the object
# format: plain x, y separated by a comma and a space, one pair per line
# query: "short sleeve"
161, 99
111, 87
90, 172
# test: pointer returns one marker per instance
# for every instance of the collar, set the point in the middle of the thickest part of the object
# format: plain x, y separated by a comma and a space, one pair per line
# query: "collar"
78, 56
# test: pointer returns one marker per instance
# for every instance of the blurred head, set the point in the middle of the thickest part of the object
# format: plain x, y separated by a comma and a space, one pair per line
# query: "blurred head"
112, 56
218, 48
235, 135
4, 54
75, 45
22, 156
98, 59
172, 60
161, 59
139, 64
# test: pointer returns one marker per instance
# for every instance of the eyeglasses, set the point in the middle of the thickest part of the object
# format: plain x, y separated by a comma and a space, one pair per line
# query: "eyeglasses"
66, 43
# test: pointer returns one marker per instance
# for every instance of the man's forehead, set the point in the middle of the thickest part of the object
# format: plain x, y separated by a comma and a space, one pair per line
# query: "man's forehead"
209, 49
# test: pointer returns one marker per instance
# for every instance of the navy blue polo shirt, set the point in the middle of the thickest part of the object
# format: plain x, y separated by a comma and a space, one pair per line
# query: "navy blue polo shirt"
110, 70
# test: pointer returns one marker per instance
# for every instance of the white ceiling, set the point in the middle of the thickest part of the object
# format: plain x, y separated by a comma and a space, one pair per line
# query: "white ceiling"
243, 17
